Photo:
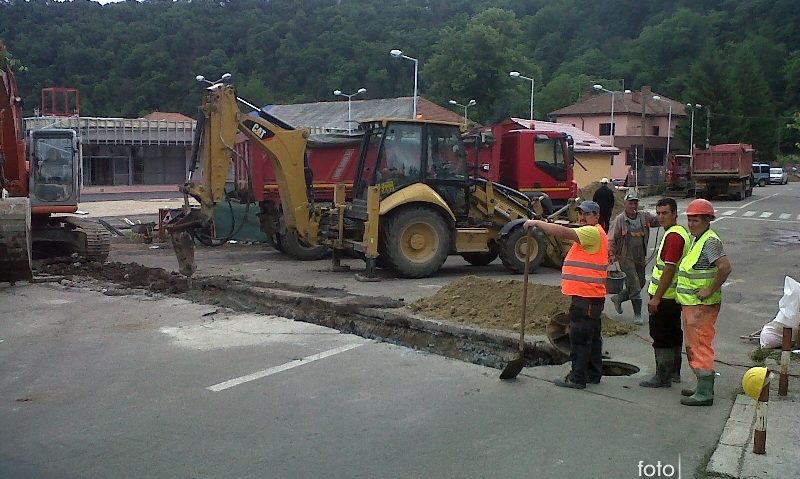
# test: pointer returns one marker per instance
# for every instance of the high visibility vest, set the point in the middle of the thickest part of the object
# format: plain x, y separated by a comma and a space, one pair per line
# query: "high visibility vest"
691, 280
584, 274
658, 269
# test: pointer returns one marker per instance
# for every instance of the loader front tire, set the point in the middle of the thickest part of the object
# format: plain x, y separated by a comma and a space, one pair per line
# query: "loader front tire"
513, 248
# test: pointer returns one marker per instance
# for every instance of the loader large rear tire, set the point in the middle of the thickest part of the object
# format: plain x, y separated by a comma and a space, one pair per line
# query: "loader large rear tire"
415, 241
513, 248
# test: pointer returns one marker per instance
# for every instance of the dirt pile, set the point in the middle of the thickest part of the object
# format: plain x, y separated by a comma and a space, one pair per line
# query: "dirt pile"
487, 303
126, 274
587, 193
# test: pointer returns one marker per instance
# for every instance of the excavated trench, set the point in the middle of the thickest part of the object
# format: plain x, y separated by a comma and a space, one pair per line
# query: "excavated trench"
379, 318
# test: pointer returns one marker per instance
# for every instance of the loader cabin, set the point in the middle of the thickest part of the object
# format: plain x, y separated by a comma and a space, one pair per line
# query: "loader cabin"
402, 152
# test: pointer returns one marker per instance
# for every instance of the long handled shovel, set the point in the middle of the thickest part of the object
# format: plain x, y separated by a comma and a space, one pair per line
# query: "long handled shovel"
514, 366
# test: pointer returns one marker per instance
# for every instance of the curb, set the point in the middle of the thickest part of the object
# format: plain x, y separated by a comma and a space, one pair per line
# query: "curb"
727, 458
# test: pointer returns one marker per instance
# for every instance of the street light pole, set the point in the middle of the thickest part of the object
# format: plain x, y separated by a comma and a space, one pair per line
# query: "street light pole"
669, 125
516, 74
691, 134
399, 54
611, 130
349, 110
469, 104
708, 127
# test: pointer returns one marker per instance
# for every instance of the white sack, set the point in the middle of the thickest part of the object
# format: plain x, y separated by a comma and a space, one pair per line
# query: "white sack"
789, 305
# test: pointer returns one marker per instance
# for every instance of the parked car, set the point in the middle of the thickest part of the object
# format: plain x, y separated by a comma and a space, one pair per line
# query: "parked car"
761, 174
778, 177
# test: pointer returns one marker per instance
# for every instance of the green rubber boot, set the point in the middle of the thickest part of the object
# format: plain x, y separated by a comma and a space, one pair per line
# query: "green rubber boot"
663, 376
704, 394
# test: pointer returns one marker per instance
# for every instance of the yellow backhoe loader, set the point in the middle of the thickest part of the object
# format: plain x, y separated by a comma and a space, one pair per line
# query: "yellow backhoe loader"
414, 200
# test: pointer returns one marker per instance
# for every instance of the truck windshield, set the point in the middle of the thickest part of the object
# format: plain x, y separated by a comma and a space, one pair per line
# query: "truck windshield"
549, 156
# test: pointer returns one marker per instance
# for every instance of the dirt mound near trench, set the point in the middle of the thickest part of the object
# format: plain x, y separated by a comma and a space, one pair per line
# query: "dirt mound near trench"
487, 303
131, 275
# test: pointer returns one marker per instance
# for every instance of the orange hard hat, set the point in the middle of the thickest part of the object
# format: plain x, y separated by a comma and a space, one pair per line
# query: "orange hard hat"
700, 206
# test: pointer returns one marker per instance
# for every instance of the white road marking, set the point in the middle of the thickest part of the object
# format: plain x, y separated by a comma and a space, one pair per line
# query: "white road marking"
760, 199
785, 216
283, 367
728, 213
766, 214
757, 219
749, 213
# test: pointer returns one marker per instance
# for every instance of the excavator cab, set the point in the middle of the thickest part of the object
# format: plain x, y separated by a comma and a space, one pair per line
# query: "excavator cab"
54, 168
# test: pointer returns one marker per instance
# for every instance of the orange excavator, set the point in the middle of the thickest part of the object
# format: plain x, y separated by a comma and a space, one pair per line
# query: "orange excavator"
39, 179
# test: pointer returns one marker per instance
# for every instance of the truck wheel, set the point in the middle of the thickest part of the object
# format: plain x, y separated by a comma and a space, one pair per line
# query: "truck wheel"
291, 245
512, 249
415, 242
481, 259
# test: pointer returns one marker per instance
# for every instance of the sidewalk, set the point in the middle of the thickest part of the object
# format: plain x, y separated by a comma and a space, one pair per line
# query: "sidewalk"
734, 457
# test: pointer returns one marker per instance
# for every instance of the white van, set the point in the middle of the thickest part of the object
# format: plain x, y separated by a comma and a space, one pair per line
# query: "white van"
778, 177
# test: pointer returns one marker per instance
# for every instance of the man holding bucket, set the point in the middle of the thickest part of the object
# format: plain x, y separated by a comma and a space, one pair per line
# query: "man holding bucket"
627, 243
665, 312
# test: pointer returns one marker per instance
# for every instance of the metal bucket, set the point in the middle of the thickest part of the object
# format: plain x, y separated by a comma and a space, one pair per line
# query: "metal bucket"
615, 281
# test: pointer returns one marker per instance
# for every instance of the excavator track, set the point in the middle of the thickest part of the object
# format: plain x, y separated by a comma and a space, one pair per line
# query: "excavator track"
94, 240
15, 239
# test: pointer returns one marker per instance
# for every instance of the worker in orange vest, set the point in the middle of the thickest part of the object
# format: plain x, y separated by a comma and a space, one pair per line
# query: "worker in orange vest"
583, 278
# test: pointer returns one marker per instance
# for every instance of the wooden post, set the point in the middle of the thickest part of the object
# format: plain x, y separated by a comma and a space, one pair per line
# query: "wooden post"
760, 434
786, 351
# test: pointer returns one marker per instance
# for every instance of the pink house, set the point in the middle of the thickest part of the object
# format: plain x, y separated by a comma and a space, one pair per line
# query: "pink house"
640, 118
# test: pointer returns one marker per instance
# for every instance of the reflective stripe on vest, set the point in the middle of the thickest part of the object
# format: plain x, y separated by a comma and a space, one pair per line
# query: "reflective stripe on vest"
658, 270
691, 280
584, 274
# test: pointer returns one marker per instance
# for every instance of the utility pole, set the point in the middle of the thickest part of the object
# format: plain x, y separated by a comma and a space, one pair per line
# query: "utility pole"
644, 125
708, 127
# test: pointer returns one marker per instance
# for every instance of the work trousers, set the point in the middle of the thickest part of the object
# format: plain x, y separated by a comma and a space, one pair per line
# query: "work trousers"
585, 339
699, 329
633, 267
665, 325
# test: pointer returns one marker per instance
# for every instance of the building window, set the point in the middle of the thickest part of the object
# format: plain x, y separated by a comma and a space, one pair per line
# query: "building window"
656, 131
605, 129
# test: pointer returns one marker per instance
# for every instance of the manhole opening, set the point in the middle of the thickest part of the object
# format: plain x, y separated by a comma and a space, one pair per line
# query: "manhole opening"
618, 368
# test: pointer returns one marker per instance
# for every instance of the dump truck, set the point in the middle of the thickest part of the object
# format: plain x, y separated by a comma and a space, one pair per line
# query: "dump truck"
413, 200
725, 169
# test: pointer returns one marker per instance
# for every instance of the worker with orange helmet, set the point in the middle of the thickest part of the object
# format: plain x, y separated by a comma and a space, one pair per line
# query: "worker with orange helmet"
701, 274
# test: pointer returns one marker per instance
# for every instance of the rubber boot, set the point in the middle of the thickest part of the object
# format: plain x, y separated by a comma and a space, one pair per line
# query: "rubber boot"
663, 376
704, 394
637, 311
676, 364
618, 299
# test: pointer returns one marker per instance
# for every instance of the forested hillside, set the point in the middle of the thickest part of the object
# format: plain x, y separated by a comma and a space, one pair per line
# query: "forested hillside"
740, 57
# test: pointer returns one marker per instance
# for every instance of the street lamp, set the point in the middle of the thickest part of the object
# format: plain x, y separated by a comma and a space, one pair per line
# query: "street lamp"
469, 104
533, 82
669, 124
349, 110
399, 54
600, 87
691, 135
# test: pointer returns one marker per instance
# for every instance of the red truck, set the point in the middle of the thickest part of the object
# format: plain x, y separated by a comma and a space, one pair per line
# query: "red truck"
535, 162
725, 169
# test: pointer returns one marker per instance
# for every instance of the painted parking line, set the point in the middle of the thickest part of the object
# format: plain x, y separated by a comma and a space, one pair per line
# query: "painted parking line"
749, 213
766, 214
283, 367
785, 216
728, 213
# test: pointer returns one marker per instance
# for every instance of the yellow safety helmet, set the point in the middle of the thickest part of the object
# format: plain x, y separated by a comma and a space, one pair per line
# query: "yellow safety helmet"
753, 381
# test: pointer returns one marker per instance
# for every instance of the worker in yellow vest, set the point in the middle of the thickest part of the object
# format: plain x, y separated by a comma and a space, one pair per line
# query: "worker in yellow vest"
701, 274
583, 278
665, 312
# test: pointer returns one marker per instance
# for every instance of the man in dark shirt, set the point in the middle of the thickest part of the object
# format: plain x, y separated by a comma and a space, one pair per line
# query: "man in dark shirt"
605, 198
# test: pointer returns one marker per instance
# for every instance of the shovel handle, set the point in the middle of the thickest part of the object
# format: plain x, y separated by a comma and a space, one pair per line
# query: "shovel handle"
526, 270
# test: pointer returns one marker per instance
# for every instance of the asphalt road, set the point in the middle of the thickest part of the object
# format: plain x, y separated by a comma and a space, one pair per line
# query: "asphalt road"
93, 385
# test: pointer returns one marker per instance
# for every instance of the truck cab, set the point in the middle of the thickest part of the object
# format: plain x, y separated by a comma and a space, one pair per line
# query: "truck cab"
535, 162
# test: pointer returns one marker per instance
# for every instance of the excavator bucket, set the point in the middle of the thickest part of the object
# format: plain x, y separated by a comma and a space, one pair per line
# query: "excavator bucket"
183, 244
15, 239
